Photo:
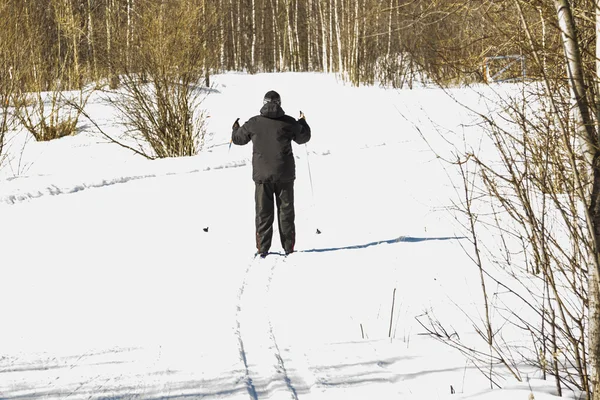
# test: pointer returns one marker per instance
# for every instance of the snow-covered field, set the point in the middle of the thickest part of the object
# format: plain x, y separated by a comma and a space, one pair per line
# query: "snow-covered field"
110, 287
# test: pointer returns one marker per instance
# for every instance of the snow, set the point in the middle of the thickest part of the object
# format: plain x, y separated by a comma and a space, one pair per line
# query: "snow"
111, 289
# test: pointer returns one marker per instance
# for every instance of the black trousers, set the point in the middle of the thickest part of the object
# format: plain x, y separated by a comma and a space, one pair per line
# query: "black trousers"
266, 196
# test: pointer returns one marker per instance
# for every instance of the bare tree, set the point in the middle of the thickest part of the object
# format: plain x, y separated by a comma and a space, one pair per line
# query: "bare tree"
7, 81
44, 72
161, 110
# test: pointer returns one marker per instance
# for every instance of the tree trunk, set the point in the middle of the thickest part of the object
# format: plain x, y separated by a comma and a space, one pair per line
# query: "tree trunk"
75, 31
281, 38
296, 38
234, 36
338, 37
587, 137
130, 30
575, 74
222, 37
92, 41
309, 38
290, 36
276, 45
331, 24
389, 43
112, 78
253, 45
240, 38
594, 279
324, 65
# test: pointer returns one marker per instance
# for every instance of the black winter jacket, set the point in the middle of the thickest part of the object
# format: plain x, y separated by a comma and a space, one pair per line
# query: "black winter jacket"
272, 133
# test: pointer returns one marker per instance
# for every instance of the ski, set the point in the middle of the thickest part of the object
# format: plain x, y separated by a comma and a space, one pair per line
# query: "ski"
265, 255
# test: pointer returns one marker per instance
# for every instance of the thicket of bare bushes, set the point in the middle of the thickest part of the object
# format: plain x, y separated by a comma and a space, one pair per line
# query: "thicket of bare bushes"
6, 83
59, 51
44, 65
529, 244
532, 208
165, 114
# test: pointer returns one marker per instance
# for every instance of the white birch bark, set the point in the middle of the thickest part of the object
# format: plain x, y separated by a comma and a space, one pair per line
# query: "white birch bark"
389, 43
109, 50
330, 29
543, 24
324, 55
587, 137
574, 66
92, 40
130, 30
75, 36
309, 38
594, 279
338, 37
238, 34
234, 36
356, 45
290, 35
282, 41
253, 45
275, 39
296, 37
222, 33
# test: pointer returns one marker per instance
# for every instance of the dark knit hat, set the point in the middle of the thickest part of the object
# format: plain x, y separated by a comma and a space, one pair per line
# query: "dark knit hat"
272, 97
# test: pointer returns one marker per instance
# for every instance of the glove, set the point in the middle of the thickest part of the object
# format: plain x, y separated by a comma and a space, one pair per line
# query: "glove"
301, 115
236, 124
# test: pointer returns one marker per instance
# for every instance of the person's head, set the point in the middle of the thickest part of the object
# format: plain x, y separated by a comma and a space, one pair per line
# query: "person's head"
272, 97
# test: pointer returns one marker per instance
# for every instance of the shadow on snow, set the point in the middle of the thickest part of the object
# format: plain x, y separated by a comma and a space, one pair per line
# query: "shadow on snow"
400, 239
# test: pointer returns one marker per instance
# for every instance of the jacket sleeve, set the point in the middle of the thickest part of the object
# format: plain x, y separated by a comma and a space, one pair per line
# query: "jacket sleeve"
240, 135
303, 135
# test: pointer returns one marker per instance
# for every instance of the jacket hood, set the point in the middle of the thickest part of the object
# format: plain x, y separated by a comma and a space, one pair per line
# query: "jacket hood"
272, 110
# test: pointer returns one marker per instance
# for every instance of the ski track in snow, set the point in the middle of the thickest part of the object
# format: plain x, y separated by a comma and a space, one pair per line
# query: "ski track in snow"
249, 384
257, 341
280, 362
39, 186
20, 189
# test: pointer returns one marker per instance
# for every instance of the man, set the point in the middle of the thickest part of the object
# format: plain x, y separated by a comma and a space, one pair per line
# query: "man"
273, 169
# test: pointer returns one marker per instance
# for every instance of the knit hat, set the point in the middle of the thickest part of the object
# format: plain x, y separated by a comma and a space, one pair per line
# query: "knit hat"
272, 97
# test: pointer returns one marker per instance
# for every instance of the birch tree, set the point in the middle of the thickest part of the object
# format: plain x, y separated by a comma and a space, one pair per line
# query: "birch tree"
324, 47
338, 23
69, 26
253, 33
110, 11
91, 39
587, 135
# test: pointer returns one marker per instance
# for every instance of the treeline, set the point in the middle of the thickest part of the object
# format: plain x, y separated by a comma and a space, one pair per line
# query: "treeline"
387, 41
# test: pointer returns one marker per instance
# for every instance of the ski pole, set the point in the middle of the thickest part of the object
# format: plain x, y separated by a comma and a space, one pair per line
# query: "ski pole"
312, 189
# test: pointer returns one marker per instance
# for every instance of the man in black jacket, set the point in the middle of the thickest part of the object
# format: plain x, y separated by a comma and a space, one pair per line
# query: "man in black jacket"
273, 169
